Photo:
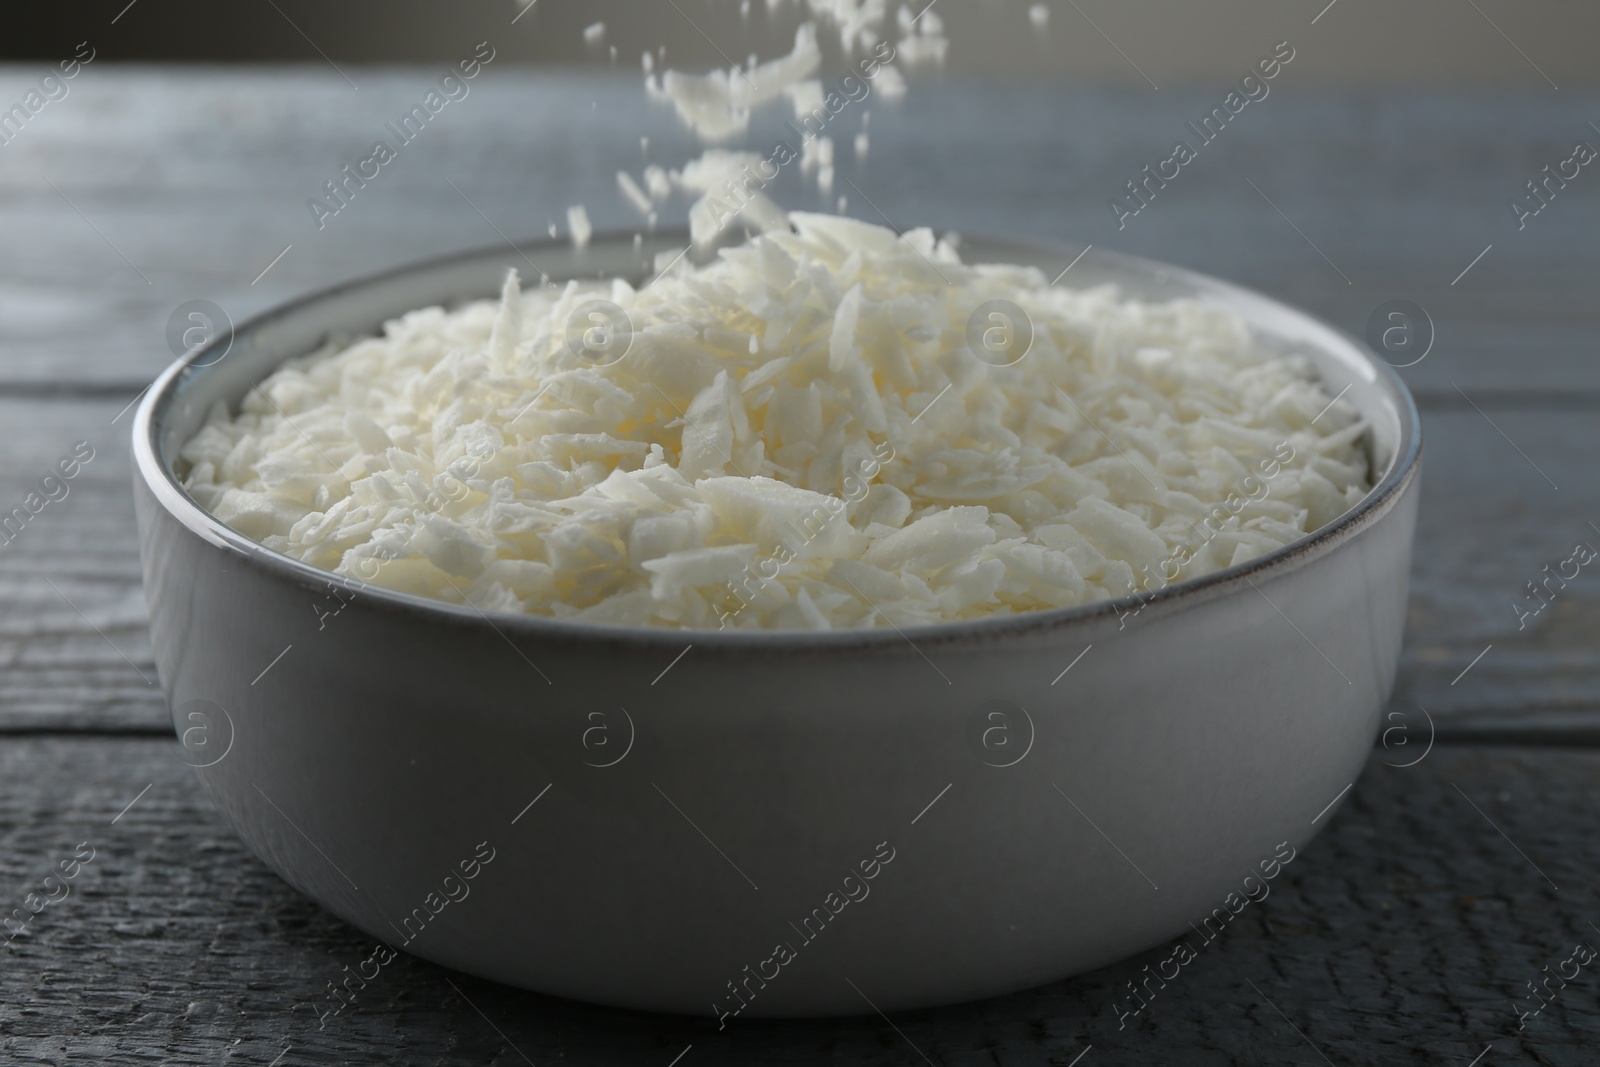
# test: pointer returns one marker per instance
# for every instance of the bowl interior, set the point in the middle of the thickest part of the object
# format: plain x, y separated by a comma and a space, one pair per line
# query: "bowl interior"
227, 368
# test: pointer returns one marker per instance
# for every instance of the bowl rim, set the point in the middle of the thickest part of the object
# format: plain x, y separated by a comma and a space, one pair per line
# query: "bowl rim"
162, 482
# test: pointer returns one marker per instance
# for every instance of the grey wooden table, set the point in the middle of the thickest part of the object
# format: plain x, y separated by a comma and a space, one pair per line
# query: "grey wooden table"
1462, 866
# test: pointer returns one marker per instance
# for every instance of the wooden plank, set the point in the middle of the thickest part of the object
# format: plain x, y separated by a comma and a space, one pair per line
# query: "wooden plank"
74, 645
223, 162
213, 171
1489, 524
1404, 934
1506, 492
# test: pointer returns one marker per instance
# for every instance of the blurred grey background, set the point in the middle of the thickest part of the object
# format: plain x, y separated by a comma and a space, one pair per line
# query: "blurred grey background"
1359, 42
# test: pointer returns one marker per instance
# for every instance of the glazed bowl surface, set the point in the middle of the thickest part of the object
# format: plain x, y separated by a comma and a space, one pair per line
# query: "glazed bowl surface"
744, 824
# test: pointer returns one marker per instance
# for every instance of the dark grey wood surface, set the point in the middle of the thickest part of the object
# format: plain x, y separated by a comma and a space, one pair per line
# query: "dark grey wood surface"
1402, 936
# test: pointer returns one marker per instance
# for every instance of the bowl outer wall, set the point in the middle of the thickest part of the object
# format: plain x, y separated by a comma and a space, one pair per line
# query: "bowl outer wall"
392, 742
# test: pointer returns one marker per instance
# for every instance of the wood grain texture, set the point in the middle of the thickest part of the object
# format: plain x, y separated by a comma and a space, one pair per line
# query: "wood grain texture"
201, 178
74, 648
1402, 935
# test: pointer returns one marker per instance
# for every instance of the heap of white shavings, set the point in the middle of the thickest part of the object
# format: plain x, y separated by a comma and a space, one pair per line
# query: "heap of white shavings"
798, 436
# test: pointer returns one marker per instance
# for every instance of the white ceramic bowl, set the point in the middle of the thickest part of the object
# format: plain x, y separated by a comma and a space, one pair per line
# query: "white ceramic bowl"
707, 808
